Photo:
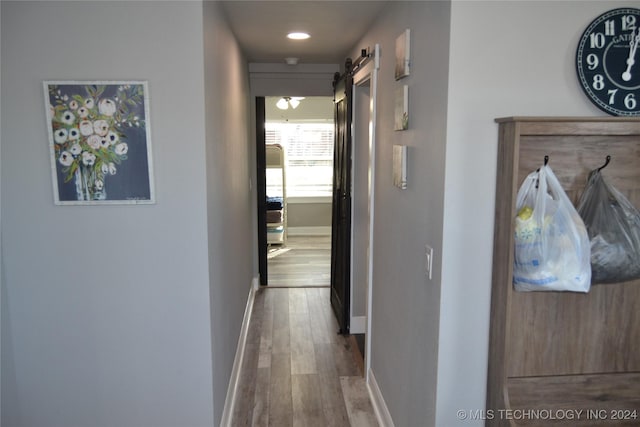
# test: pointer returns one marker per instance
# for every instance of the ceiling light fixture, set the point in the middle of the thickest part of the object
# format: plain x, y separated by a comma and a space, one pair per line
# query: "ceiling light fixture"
298, 36
286, 101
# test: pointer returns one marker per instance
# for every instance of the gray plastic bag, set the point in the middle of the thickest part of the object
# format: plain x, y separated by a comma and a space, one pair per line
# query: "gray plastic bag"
613, 225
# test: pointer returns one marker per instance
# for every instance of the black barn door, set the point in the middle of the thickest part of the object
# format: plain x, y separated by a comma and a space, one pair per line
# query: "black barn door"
261, 186
341, 209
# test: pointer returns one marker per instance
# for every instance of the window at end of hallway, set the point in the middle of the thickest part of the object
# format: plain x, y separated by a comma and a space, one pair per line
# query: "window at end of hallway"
308, 157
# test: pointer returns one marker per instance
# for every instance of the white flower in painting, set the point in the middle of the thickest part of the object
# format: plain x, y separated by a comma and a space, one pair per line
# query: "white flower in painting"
86, 127
99, 184
73, 105
68, 118
94, 142
104, 168
121, 148
112, 137
65, 158
104, 142
89, 103
74, 134
60, 136
112, 169
75, 149
107, 107
88, 158
52, 111
83, 112
101, 127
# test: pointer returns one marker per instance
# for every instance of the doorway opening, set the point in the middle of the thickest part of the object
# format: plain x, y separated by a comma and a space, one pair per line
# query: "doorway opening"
299, 140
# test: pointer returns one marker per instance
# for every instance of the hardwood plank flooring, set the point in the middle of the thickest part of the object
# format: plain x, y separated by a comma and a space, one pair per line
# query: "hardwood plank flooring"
297, 371
303, 261
358, 403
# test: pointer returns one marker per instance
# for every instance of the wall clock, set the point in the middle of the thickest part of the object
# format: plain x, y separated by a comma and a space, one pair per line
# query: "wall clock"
608, 62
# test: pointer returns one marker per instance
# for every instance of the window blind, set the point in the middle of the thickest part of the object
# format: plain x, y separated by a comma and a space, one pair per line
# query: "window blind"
308, 156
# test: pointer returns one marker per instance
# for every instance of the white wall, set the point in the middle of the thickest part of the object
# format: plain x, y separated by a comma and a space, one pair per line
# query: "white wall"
405, 303
506, 59
106, 317
231, 211
311, 108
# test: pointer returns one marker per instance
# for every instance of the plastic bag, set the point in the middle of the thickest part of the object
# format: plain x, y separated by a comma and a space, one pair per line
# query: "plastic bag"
552, 250
613, 224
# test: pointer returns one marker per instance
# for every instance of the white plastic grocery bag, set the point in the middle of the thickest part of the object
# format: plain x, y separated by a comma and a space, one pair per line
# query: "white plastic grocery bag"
552, 249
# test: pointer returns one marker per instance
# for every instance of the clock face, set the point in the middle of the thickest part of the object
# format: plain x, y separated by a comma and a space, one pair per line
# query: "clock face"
608, 62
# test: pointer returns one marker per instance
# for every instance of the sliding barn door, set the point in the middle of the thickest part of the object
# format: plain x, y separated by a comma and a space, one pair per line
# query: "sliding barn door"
261, 186
341, 209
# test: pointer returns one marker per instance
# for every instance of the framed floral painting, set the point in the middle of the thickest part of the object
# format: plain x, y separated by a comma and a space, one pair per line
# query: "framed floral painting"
100, 142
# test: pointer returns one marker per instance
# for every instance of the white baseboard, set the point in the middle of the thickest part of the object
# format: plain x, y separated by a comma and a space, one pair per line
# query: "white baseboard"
309, 231
379, 405
232, 389
358, 325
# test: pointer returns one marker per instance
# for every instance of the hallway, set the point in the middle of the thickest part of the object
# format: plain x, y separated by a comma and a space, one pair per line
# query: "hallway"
297, 371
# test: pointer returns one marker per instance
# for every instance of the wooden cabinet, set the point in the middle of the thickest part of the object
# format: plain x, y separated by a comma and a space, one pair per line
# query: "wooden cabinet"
560, 351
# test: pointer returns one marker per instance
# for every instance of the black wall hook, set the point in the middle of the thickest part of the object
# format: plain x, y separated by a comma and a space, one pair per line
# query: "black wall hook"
546, 161
607, 160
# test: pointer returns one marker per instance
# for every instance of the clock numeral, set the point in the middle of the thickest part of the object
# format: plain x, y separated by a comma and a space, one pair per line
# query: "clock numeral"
598, 82
597, 40
593, 61
630, 101
628, 22
610, 27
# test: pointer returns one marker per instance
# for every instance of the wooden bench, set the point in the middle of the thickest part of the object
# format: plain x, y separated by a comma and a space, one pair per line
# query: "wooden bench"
563, 351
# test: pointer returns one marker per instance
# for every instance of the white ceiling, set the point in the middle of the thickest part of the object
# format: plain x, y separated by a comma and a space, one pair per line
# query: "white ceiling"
335, 27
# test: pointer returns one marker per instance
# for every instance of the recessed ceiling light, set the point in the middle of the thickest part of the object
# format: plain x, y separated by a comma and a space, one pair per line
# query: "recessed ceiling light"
298, 36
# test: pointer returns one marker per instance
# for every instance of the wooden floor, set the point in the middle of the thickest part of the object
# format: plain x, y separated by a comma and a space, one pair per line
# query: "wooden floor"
302, 261
297, 371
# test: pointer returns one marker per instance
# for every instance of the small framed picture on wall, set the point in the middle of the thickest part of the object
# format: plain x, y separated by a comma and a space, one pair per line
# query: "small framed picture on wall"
400, 166
402, 108
403, 54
